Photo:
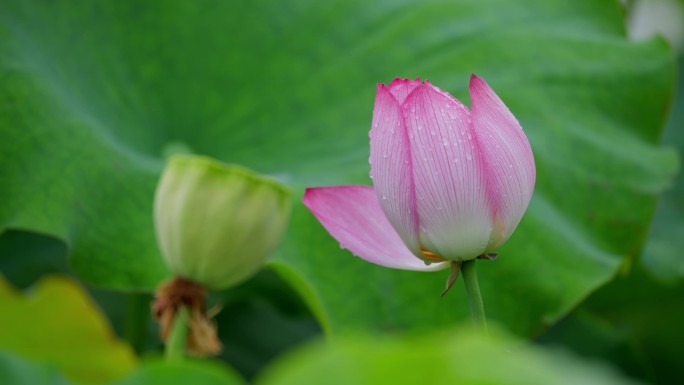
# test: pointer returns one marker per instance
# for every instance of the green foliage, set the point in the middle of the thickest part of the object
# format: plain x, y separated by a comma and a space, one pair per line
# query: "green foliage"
634, 322
58, 323
462, 357
662, 254
182, 373
18, 371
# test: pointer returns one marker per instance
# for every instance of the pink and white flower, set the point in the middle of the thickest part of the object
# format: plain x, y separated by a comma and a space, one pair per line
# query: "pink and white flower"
450, 184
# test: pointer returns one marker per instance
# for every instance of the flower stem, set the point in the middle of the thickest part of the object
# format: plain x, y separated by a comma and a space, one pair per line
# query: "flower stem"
136, 321
177, 341
474, 297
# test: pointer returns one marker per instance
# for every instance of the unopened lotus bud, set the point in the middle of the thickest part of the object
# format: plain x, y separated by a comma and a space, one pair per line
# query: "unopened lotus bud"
450, 184
217, 223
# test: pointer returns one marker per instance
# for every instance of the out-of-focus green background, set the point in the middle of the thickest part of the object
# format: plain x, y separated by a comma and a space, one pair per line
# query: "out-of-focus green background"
94, 97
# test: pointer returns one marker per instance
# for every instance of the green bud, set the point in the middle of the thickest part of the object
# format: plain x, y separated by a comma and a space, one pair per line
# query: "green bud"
217, 223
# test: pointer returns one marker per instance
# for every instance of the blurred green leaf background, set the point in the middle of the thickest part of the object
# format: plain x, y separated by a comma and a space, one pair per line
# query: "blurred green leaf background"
94, 97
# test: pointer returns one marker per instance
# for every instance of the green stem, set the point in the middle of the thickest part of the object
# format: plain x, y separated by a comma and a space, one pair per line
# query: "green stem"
474, 296
137, 320
178, 338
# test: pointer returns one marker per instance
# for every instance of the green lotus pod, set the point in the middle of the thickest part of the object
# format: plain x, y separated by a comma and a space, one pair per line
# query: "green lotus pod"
216, 223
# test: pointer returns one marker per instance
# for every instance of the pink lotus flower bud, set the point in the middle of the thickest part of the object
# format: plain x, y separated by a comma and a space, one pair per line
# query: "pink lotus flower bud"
450, 184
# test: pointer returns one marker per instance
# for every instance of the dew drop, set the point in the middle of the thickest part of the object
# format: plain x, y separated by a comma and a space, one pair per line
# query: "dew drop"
420, 127
469, 157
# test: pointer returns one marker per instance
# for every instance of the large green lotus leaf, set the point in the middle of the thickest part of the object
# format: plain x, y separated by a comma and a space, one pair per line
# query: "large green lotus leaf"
94, 95
663, 252
56, 322
462, 357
